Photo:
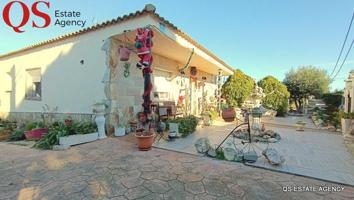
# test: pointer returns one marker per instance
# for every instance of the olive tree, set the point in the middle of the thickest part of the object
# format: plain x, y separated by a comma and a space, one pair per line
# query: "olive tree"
306, 81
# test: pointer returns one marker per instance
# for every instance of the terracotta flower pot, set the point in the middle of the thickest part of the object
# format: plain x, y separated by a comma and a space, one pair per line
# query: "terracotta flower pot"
68, 122
36, 133
145, 141
228, 114
124, 54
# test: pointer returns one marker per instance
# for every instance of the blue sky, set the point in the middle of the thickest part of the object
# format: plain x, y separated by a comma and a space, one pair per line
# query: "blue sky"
260, 37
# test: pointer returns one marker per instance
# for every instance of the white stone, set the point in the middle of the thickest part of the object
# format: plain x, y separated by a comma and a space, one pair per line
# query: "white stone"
250, 156
272, 140
273, 156
202, 145
77, 139
229, 153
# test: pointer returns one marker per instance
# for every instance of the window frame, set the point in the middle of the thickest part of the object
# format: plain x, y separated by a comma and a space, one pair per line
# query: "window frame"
33, 96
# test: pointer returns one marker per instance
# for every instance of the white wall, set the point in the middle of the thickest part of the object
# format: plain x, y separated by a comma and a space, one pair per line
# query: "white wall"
74, 87
66, 83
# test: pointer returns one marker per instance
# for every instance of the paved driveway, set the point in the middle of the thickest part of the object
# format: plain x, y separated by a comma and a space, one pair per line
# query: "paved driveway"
114, 169
315, 153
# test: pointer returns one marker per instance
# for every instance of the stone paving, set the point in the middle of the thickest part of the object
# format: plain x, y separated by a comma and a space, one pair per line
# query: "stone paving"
315, 153
114, 169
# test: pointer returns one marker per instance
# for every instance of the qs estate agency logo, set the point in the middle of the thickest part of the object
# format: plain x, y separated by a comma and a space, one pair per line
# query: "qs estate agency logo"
17, 14
27, 11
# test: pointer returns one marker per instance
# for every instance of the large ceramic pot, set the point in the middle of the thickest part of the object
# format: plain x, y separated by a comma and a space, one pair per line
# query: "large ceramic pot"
145, 140
228, 114
36, 133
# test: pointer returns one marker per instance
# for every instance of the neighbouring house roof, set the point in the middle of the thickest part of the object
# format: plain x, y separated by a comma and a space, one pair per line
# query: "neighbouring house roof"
117, 21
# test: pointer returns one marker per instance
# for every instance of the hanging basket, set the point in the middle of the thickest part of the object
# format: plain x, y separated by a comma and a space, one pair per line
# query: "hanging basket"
124, 54
193, 71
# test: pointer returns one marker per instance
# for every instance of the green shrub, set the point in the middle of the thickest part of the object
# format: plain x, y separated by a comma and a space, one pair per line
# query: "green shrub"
59, 129
17, 135
81, 128
29, 126
220, 154
186, 125
213, 115
283, 109
333, 99
52, 137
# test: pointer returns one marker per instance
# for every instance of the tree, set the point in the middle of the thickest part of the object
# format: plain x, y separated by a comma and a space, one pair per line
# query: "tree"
277, 94
334, 99
306, 81
237, 88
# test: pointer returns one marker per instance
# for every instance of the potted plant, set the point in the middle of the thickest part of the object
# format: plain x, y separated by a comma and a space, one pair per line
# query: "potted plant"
145, 138
35, 130
68, 120
228, 114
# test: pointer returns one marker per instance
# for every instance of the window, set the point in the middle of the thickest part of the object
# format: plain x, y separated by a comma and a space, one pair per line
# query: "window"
161, 96
33, 84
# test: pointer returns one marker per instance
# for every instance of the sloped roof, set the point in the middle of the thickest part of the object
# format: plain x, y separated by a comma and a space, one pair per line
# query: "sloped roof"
118, 20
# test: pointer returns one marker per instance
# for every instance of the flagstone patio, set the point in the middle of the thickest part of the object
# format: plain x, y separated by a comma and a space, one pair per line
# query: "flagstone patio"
314, 153
114, 169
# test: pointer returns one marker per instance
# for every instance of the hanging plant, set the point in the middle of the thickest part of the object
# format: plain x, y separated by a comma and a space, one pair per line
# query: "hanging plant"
193, 71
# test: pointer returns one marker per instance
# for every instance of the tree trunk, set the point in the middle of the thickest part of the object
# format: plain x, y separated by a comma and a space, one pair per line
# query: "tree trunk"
300, 105
296, 105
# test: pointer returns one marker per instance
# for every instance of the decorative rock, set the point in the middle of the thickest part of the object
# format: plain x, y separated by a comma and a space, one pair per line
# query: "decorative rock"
273, 156
270, 133
229, 153
250, 156
202, 145
266, 136
272, 140
239, 156
211, 152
